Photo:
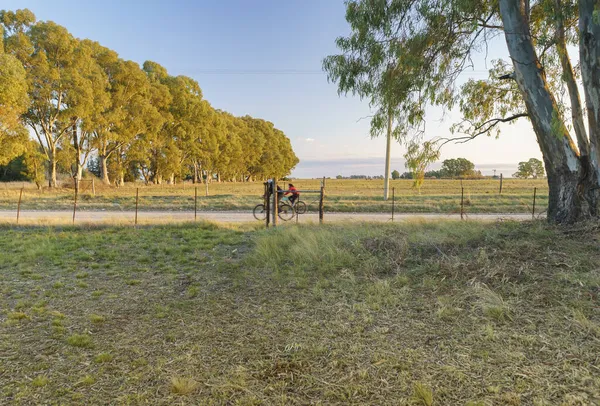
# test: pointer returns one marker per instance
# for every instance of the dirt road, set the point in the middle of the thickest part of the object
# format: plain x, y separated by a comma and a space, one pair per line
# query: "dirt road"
158, 217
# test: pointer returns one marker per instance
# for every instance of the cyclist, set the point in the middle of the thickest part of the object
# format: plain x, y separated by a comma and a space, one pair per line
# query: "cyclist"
293, 192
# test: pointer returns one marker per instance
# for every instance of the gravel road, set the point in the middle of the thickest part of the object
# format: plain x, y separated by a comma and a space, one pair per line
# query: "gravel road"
158, 217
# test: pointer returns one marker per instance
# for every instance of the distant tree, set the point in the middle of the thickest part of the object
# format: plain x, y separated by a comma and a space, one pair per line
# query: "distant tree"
339, 177
407, 175
434, 174
395, 174
533, 168
455, 168
93, 167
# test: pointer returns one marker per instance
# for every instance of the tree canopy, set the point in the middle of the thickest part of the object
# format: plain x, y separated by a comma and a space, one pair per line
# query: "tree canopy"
458, 167
82, 102
532, 168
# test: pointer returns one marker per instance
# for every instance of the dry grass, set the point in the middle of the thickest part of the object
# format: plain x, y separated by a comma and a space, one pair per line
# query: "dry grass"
437, 196
445, 313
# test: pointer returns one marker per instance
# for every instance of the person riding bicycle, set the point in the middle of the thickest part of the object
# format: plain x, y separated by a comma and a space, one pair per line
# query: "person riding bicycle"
293, 192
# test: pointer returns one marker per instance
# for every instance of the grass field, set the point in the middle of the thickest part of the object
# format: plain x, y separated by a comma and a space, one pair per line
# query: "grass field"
446, 313
437, 196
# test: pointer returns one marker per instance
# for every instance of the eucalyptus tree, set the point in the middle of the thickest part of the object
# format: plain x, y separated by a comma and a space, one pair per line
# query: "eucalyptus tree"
13, 102
154, 151
128, 113
60, 86
412, 52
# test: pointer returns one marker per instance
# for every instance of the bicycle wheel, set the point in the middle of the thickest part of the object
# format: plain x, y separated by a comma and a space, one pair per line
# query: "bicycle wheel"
286, 212
300, 207
260, 212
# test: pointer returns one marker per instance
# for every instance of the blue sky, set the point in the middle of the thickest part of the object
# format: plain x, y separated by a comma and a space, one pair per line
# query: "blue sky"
263, 58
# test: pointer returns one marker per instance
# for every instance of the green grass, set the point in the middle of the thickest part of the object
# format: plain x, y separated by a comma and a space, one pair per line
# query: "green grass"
424, 313
437, 196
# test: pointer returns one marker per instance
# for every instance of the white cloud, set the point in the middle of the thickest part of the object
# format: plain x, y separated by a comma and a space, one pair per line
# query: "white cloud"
309, 140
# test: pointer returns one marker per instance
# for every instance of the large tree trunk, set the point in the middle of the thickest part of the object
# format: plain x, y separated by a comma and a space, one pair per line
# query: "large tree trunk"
589, 59
52, 167
78, 172
195, 175
569, 77
568, 176
103, 161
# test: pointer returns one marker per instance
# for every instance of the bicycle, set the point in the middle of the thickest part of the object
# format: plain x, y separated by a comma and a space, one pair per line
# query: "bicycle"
286, 211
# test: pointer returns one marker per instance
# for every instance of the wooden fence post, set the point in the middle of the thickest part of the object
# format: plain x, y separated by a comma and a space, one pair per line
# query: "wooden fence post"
19, 205
275, 203
137, 198
462, 202
321, 202
393, 201
195, 203
500, 184
267, 205
533, 209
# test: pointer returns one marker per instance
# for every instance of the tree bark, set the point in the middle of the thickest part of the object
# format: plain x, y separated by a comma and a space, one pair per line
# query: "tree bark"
77, 173
103, 161
568, 179
569, 78
589, 59
52, 178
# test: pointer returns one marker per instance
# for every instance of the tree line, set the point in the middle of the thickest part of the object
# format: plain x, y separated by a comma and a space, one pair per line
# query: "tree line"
66, 103
451, 168
462, 168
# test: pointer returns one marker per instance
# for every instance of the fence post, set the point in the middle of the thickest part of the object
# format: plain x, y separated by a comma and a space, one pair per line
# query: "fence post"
19, 205
500, 184
137, 198
462, 202
275, 203
321, 202
267, 205
75, 204
93, 187
195, 203
533, 209
393, 201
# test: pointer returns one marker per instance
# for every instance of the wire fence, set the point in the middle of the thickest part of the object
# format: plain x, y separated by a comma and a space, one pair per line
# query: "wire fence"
461, 199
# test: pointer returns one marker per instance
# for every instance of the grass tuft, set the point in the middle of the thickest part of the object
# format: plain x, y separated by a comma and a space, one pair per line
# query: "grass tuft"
80, 340
492, 304
40, 381
18, 316
183, 386
103, 357
422, 395
97, 319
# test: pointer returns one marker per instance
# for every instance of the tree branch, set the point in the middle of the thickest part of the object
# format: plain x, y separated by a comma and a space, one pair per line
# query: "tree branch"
482, 128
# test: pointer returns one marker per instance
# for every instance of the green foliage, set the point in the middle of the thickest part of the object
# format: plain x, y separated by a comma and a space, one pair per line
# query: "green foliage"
532, 168
395, 174
458, 167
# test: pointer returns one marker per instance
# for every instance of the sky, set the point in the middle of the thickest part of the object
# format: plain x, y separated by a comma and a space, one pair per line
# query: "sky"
264, 58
